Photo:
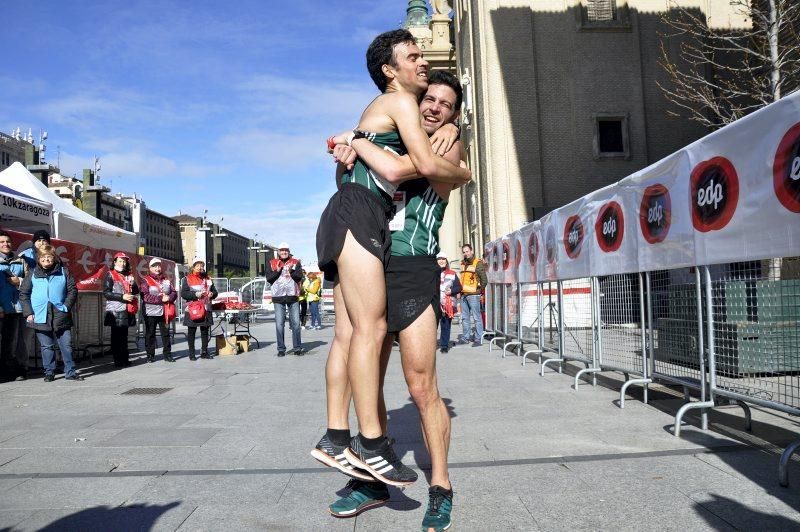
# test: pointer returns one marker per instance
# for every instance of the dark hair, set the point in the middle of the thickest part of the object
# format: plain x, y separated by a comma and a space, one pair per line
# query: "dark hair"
467, 246
381, 52
441, 77
4, 233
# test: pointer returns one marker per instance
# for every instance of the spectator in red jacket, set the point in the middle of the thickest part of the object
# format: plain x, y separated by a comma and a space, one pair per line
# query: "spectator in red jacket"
157, 293
285, 276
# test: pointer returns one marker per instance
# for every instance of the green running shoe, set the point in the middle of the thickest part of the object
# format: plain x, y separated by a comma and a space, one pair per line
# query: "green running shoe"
440, 504
362, 496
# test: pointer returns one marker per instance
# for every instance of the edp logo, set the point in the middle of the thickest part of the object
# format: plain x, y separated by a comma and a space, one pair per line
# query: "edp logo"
533, 249
714, 188
610, 226
573, 236
786, 170
550, 244
655, 213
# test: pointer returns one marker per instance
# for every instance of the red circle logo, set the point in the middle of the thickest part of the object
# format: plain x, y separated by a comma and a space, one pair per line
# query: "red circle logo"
533, 249
655, 213
714, 191
506, 256
610, 227
518, 253
573, 236
786, 170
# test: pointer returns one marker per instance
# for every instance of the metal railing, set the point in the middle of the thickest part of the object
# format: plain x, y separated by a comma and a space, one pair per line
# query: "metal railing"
725, 334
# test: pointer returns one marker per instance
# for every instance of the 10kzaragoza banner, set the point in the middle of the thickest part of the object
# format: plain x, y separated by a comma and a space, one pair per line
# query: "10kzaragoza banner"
731, 196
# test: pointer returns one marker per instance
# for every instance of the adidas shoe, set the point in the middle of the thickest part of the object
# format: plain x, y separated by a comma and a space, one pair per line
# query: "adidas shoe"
362, 496
440, 504
332, 455
382, 464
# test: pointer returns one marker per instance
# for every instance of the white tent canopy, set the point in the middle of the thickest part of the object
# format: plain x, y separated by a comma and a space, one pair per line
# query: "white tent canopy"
71, 223
21, 212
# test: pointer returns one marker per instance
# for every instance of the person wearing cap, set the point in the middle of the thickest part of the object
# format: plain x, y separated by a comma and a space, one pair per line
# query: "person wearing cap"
40, 238
122, 304
48, 295
198, 287
449, 288
285, 276
157, 292
13, 353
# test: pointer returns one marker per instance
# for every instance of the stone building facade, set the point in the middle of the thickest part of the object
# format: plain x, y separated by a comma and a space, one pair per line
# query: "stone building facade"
561, 98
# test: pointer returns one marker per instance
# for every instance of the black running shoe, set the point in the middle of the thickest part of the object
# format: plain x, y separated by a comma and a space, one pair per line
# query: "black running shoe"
383, 464
332, 455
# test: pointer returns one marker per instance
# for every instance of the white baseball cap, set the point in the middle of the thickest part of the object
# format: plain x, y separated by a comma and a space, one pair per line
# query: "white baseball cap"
283, 245
155, 260
441, 255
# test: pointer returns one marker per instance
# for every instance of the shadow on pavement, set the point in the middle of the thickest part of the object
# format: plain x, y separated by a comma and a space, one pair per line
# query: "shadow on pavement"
134, 517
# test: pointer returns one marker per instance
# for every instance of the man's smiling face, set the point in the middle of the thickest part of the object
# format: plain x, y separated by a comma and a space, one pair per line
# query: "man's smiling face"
438, 107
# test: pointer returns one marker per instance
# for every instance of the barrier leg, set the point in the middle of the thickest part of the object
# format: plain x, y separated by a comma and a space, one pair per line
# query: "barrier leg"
631, 382
515, 342
783, 465
493, 340
586, 370
544, 365
532, 352
690, 406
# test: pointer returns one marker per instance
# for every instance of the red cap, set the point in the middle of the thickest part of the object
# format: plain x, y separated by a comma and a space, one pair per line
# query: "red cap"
121, 255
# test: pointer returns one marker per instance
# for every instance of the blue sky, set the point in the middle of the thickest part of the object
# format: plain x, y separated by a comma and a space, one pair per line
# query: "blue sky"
197, 104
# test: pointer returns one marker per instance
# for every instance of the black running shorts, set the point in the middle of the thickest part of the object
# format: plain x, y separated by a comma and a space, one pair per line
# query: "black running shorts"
412, 283
365, 214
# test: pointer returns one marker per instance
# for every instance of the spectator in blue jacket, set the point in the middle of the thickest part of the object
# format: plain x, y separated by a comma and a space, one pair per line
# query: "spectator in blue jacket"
13, 355
48, 294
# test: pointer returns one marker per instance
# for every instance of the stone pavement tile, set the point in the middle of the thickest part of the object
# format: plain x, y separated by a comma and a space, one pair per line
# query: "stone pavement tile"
9, 519
6, 434
9, 483
748, 510
711, 488
178, 458
287, 515
42, 438
79, 459
223, 488
143, 421
51, 421
158, 437
129, 517
112, 404
8, 456
72, 492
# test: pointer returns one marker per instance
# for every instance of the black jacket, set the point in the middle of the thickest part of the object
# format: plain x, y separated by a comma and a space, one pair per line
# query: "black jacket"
56, 320
121, 318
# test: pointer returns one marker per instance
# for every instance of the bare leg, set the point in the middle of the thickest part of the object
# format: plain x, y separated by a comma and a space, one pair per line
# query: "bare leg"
418, 350
386, 350
363, 287
337, 384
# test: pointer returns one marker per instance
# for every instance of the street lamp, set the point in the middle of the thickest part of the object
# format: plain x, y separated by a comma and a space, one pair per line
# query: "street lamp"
221, 265
255, 247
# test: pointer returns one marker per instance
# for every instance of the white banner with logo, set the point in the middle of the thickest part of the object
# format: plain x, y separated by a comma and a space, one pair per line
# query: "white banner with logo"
732, 196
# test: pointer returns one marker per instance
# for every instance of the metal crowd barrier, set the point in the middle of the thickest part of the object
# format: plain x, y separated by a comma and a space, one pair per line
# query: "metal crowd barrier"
729, 333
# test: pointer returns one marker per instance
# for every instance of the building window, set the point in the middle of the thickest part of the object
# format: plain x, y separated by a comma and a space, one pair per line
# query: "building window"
601, 10
603, 15
611, 139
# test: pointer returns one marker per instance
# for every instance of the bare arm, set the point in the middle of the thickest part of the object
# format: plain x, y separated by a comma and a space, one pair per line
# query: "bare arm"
405, 113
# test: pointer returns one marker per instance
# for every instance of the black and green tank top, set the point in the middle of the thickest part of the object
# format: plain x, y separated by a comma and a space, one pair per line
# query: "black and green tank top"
422, 211
365, 176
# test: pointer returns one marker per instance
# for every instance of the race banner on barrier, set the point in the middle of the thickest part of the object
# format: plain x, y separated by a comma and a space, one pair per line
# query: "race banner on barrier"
732, 196
89, 266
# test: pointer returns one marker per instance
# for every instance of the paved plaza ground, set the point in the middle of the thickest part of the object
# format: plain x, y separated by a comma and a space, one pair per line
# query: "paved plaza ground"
226, 448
